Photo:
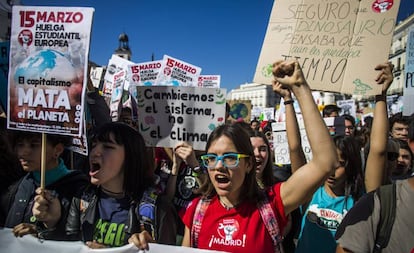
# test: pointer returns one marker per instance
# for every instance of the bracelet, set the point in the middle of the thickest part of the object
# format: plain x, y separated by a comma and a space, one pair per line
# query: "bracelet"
288, 102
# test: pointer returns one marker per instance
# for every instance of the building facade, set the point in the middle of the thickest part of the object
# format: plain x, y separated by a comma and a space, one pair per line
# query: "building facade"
398, 54
260, 95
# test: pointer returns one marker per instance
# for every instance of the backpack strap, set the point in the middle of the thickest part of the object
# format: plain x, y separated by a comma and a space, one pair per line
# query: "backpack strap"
388, 199
147, 211
270, 221
200, 210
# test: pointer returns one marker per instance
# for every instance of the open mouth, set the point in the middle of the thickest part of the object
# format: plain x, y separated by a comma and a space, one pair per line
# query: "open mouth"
94, 168
259, 163
221, 179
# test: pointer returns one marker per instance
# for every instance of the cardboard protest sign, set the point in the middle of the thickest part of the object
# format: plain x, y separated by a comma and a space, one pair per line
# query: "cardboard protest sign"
117, 92
115, 65
209, 81
240, 110
280, 142
337, 43
408, 100
144, 73
168, 115
48, 68
175, 72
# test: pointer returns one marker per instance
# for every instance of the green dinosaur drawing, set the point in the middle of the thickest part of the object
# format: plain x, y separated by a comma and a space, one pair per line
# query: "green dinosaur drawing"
360, 87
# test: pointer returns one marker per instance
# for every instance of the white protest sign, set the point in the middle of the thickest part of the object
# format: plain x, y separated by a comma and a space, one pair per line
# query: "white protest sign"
96, 76
347, 107
144, 73
268, 113
280, 143
116, 96
29, 243
168, 115
209, 81
408, 100
332, 40
49, 49
115, 65
175, 72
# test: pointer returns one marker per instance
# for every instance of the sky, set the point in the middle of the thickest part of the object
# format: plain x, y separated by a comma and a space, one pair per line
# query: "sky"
223, 37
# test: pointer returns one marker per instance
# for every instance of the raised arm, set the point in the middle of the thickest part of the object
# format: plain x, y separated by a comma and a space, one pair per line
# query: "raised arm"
377, 156
302, 184
297, 156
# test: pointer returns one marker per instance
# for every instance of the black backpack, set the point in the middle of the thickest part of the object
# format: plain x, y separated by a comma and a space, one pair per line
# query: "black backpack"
388, 203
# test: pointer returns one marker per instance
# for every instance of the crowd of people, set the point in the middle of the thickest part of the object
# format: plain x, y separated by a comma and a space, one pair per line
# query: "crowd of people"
231, 196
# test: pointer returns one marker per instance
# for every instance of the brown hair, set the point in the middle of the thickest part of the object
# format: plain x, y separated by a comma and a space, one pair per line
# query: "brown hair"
241, 140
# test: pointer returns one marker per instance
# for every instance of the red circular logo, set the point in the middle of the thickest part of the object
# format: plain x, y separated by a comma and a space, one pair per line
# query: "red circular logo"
25, 37
135, 78
381, 6
167, 71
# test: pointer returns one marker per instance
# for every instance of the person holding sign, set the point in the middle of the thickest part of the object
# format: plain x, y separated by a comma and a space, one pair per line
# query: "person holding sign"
366, 228
121, 206
233, 214
331, 201
61, 185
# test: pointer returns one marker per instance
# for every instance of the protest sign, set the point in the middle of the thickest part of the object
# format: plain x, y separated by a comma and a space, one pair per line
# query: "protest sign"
240, 110
168, 115
48, 68
96, 76
347, 106
332, 40
280, 142
408, 100
175, 72
115, 65
209, 81
79, 144
268, 113
116, 96
144, 73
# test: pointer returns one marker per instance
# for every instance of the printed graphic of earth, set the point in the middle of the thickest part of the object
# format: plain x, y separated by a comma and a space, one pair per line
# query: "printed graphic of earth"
46, 64
238, 110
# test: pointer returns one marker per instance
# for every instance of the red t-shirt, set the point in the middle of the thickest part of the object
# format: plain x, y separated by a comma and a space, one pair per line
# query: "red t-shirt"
239, 229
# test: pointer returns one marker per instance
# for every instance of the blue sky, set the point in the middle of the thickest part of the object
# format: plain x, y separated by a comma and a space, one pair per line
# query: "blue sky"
223, 37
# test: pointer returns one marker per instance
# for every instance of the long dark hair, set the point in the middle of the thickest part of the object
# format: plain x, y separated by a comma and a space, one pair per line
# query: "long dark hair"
267, 175
241, 140
350, 152
137, 166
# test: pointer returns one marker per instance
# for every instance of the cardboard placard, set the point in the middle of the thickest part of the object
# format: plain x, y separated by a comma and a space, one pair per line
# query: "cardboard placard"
337, 43
240, 110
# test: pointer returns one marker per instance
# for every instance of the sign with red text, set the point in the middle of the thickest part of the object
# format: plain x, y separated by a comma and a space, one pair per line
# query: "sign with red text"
337, 43
168, 115
144, 73
209, 81
49, 49
115, 65
175, 72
